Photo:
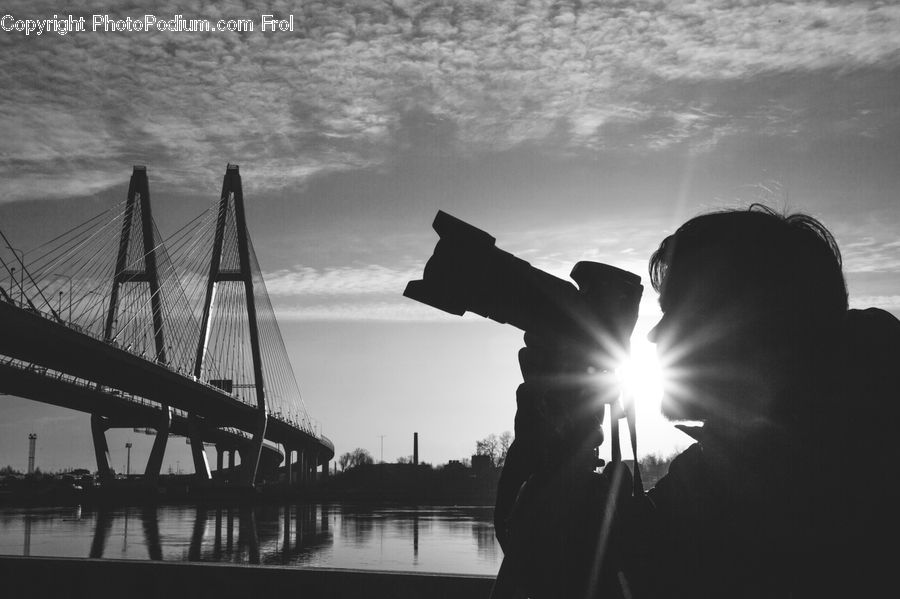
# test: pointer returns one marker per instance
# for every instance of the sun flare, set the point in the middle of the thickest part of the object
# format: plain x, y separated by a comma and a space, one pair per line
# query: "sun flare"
642, 377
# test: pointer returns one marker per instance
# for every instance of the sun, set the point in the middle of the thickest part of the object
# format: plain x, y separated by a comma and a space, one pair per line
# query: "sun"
642, 377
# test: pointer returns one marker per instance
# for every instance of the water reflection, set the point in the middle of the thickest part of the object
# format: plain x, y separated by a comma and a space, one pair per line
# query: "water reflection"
487, 543
151, 533
102, 529
416, 536
26, 550
435, 539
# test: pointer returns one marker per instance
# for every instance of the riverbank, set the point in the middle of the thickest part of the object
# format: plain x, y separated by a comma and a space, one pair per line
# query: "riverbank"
371, 483
104, 578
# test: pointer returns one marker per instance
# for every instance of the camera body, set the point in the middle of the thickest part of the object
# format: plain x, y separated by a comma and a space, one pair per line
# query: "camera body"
468, 273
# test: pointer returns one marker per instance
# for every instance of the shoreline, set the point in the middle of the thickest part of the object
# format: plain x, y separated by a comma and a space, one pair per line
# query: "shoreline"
109, 578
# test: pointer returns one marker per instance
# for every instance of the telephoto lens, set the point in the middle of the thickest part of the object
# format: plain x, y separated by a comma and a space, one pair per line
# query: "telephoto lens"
468, 273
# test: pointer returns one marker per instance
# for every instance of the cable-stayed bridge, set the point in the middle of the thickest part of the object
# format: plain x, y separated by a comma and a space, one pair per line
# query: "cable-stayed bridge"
178, 336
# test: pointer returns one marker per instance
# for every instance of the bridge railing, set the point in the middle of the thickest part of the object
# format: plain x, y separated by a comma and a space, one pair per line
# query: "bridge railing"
83, 383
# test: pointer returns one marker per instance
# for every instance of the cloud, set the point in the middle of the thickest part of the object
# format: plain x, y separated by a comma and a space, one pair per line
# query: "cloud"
343, 281
333, 94
870, 247
891, 303
358, 293
374, 291
875, 257
402, 310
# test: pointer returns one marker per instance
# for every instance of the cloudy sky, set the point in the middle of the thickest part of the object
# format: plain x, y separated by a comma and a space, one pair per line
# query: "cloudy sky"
568, 130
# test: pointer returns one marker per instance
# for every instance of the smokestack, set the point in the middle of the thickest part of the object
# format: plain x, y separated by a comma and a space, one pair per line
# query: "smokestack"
32, 440
415, 449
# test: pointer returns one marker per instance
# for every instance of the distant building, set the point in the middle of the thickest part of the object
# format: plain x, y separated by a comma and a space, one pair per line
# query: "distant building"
482, 464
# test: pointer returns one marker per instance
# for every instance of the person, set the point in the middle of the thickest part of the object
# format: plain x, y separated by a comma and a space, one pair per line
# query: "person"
790, 489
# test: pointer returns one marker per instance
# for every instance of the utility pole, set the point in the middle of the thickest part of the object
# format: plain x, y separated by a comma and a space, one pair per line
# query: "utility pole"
382, 447
128, 459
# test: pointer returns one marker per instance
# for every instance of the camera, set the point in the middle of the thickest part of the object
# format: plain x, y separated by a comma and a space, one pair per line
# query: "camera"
468, 273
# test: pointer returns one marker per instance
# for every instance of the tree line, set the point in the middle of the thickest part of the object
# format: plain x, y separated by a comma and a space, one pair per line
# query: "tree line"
495, 447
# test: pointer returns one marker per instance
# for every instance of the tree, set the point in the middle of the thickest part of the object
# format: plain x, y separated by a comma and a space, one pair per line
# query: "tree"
506, 439
654, 467
495, 447
355, 458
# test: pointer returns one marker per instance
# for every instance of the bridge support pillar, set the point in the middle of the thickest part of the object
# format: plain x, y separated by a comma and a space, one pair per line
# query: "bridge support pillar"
314, 468
301, 467
154, 463
289, 458
246, 454
298, 475
220, 460
201, 464
251, 464
99, 424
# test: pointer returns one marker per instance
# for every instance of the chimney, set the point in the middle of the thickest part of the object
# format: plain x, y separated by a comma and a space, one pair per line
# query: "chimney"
415, 449
32, 440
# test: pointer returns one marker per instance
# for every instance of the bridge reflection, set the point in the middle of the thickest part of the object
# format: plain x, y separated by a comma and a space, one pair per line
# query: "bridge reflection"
268, 535
449, 539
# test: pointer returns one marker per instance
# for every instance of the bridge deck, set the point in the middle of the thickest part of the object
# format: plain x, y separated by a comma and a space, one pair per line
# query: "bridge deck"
31, 337
121, 409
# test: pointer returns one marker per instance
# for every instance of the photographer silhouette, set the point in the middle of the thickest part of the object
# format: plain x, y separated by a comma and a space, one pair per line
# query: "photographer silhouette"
791, 487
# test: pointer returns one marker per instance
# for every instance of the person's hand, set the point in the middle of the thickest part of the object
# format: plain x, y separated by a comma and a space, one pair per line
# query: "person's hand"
560, 404
559, 417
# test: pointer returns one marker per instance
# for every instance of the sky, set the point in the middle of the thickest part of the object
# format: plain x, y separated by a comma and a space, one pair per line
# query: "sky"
568, 130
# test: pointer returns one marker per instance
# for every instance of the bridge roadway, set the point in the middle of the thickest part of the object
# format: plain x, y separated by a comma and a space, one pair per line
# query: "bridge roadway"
32, 337
119, 409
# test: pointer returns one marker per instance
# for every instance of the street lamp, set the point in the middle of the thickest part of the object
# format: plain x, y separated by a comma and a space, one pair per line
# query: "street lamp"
128, 462
57, 274
91, 307
21, 273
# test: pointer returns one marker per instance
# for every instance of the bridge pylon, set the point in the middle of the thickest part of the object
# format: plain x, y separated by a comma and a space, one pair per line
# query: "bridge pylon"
136, 262
231, 210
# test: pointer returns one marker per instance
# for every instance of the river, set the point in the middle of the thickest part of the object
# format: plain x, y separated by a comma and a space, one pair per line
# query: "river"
448, 539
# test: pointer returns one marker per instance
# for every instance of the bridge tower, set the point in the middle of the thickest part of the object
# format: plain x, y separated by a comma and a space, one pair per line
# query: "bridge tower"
231, 209
136, 263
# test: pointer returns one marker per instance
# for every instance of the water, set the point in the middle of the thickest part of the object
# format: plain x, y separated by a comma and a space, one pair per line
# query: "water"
458, 540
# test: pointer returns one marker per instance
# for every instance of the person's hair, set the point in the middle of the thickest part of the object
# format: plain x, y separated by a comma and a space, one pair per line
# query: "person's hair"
794, 258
